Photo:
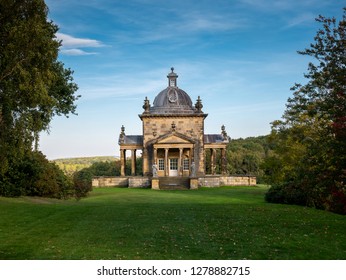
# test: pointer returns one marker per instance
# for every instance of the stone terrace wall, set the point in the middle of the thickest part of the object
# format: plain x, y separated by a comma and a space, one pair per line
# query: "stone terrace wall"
217, 181
101, 182
131, 182
145, 182
139, 182
238, 181
210, 182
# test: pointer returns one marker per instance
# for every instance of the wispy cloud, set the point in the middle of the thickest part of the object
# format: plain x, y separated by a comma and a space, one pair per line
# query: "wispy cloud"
300, 19
76, 52
196, 22
270, 4
280, 5
70, 41
73, 45
254, 107
124, 86
184, 29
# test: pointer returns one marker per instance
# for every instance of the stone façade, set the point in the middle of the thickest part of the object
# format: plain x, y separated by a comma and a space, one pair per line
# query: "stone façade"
174, 146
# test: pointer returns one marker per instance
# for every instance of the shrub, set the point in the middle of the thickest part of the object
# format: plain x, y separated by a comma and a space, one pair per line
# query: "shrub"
7, 188
34, 175
336, 202
82, 182
286, 193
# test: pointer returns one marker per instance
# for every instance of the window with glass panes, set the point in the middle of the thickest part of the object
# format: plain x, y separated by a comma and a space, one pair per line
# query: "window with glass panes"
186, 164
161, 164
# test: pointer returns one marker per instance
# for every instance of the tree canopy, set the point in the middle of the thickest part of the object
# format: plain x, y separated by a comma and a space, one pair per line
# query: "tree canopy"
310, 140
34, 85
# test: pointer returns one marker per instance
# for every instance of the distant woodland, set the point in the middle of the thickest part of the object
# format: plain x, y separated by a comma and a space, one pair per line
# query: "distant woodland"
71, 165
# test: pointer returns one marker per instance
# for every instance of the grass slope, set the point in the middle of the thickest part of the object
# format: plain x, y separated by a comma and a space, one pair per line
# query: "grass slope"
118, 223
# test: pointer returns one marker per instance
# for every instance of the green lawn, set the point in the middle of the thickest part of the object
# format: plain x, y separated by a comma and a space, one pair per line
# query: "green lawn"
120, 223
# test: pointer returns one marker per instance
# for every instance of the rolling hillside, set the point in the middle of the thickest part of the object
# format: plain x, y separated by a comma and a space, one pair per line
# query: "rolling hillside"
71, 165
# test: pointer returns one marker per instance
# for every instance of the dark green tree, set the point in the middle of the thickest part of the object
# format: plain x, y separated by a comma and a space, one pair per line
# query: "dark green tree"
311, 139
34, 85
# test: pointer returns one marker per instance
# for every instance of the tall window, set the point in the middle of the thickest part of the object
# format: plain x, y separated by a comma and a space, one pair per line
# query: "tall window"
186, 164
161, 164
173, 164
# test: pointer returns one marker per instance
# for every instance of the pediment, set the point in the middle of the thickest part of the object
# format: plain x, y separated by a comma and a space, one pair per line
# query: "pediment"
174, 138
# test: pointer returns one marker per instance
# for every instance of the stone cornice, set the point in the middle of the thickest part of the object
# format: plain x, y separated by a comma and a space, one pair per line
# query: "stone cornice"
142, 116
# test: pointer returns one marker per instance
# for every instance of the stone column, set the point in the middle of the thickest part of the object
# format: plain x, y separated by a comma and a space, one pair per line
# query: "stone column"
145, 167
223, 161
180, 164
191, 156
122, 162
155, 156
213, 161
133, 162
166, 162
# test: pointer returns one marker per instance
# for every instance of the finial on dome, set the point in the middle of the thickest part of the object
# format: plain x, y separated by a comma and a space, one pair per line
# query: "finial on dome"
172, 78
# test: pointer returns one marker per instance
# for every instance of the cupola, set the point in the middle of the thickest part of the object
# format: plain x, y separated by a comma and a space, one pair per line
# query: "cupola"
172, 78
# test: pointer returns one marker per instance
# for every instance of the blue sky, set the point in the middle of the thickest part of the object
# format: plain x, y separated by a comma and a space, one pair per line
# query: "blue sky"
240, 56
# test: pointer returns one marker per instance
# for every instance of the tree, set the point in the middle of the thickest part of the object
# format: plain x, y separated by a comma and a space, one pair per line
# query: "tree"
311, 138
34, 85
245, 156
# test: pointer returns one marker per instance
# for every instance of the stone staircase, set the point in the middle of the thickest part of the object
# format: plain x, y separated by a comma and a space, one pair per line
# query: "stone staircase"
174, 183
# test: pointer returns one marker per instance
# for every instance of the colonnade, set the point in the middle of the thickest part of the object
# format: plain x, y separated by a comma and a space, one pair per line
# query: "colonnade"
213, 160
123, 162
216, 158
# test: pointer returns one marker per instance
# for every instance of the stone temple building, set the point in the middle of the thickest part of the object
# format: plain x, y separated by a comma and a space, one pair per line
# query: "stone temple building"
175, 149
173, 136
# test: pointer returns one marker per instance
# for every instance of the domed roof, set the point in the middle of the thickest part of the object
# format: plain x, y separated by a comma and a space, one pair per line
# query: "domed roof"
172, 100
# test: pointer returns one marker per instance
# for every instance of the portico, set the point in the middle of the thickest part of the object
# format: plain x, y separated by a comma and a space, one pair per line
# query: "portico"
173, 155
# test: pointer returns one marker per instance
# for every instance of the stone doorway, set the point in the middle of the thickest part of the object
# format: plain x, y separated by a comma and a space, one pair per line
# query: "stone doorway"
173, 167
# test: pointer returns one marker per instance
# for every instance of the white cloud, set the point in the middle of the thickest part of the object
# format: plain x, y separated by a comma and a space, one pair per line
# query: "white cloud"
72, 45
69, 41
76, 52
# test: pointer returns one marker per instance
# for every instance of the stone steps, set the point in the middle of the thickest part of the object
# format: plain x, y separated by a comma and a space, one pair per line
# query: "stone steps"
174, 183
